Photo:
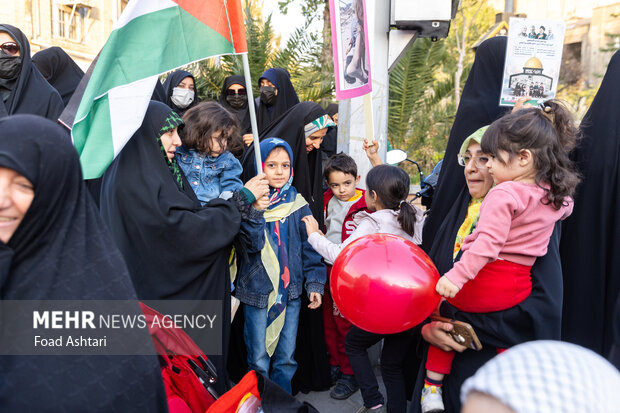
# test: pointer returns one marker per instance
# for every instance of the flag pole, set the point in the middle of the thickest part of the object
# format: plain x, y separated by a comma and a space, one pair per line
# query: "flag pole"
248, 86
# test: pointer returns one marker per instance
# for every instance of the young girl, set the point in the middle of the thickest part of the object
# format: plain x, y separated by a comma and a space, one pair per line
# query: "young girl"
270, 280
387, 191
210, 136
528, 160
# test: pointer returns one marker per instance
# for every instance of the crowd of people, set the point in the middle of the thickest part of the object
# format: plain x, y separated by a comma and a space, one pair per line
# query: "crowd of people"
523, 230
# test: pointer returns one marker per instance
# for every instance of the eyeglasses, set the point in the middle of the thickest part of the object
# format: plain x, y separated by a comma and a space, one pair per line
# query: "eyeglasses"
10, 48
231, 92
479, 161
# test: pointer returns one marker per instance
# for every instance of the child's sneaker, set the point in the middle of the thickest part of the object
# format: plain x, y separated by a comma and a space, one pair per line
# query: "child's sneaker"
432, 401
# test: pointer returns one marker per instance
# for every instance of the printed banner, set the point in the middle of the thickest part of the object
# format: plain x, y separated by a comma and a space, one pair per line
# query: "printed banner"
533, 60
350, 48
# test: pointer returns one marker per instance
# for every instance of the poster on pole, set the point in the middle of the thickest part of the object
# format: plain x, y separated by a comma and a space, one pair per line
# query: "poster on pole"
350, 48
533, 60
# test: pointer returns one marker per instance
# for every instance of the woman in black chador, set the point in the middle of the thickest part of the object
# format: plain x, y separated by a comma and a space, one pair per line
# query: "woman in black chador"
61, 250
175, 248
277, 95
59, 70
538, 317
590, 245
22, 87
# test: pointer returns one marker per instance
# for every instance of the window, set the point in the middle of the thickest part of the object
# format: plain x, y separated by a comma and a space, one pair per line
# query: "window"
70, 19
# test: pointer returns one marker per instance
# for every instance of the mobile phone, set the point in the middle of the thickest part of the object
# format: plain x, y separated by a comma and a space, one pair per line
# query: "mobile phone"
463, 333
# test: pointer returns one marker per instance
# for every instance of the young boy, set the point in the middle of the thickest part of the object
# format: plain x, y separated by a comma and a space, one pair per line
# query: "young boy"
270, 280
340, 202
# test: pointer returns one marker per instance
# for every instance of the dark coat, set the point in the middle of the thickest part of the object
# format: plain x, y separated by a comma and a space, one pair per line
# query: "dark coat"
30, 92
590, 245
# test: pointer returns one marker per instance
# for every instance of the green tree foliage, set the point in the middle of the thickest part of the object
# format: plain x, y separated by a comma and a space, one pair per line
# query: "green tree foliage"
422, 100
300, 56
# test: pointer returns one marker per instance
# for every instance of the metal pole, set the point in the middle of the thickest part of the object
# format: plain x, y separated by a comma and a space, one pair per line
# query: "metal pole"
248, 86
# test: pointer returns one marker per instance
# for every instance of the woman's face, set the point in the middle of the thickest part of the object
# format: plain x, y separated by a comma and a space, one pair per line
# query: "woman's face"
479, 179
6, 38
314, 141
335, 118
171, 141
16, 195
235, 88
187, 83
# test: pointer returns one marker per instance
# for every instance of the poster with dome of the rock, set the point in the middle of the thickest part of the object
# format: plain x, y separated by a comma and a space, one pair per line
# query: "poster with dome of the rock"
533, 60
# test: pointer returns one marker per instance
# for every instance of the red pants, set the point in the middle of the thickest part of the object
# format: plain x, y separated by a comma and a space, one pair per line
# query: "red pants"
498, 286
336, 328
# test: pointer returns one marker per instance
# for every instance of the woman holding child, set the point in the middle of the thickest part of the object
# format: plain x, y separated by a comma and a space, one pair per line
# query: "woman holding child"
539, 315
175, 248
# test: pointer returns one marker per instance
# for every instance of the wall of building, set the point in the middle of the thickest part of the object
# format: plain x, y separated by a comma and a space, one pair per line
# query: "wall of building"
38, 19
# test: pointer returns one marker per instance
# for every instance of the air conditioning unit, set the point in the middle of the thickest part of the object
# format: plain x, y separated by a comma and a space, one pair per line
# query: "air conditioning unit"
428, 18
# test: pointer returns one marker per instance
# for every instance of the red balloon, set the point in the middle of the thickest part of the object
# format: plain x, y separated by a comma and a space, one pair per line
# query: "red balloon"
384, 284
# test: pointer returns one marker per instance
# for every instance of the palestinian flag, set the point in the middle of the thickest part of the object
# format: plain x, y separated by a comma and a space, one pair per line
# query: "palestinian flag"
151, 37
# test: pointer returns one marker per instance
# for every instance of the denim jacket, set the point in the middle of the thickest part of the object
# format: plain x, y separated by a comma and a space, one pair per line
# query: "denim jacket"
305, 266
210, 176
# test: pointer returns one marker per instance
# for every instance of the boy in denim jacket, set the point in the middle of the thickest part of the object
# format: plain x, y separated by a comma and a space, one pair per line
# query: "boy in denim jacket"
270, 280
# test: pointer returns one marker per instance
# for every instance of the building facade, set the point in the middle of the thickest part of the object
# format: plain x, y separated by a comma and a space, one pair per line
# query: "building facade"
590, 25
79, 27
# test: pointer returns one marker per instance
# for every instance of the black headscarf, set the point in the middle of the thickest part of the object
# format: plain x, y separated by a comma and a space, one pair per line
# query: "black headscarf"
173, 81
538, 317
174, 247
479, 106
286, 99
307, 172
591, 235
61, 251
59, 70
242, 114
30, 92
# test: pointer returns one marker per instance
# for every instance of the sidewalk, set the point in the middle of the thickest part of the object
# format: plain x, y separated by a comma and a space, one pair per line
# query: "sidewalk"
325, 404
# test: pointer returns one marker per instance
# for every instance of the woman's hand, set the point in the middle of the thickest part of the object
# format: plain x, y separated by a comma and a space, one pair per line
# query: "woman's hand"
436, 333
261, 203
248, 138
259, 186
372, 148
315, 301
312, 225
446, 288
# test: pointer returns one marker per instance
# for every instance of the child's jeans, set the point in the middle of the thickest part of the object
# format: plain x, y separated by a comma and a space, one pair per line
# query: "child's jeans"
254, 332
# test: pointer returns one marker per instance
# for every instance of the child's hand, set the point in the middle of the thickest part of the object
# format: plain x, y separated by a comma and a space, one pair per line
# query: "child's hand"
521, 104
312, 225
315, 301
446, 288
372, 148
258, 186
261, 203
248, 138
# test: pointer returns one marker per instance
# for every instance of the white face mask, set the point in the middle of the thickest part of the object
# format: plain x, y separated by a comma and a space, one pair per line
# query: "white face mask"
182, 98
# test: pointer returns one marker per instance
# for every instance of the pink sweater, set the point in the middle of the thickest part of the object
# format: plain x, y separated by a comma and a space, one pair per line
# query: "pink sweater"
514, 225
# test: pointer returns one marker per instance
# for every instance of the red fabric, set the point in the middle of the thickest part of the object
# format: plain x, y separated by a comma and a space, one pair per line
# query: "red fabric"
439, 361
348, 226
499, 285
184, 391
229, 401
336, 328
